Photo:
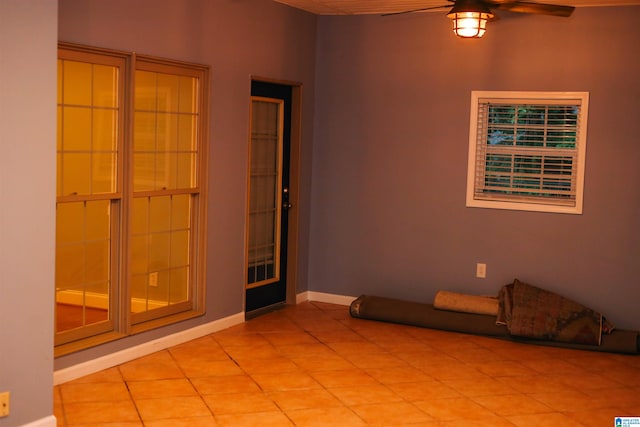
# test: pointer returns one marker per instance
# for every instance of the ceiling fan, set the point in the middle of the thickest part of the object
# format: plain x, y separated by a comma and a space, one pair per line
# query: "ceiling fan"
470, 16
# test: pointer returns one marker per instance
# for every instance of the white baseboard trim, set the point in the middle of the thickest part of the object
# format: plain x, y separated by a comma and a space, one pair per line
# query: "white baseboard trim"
328, 298
110, 360
302, 297
49, 421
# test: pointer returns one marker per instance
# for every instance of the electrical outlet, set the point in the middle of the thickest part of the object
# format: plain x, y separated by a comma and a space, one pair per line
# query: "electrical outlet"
4, 404
481, 270
153, 279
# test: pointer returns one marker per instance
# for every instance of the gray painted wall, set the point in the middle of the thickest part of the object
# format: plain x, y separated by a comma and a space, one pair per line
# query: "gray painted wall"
390, 158
237, 39
27, 218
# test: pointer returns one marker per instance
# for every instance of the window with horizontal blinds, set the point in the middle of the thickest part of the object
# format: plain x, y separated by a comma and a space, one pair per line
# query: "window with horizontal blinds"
527, 151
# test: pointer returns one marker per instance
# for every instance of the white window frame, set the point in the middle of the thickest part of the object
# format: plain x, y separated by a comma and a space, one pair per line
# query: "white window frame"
477, 196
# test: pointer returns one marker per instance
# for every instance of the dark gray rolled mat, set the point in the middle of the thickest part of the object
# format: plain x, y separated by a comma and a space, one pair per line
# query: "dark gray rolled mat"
425, 315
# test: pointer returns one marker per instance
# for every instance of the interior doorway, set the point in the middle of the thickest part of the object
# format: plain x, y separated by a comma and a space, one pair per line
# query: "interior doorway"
272, 195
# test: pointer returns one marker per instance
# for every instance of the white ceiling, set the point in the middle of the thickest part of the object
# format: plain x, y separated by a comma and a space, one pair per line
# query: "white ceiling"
361, 7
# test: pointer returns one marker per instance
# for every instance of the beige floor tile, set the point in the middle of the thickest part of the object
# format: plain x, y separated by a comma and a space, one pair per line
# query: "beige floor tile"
317, 323
487, 422
296, 351
376, 360
364, 395
425, 360
116, 424
600, 362
474, 355
481, 386
237, 336
424, 390
263, 350
568, 401
587, 359
502, 368
260, 419
172, 407
350, 349
202, 348
304, 399
598, 417
512, 404
208, 421
100, 412
285, 381
387, 336
326, 417
554, 419
518, 352
156, 366
409, 345
315, 365
586, 381
196, 369
266, 366
529, 384
455, 409
392, 413
94, 392
626, 375
329, 307
161, 388
457, 344
624, 397
553, 366
450, 370
397, 374
558, 353
325, 363
434, 335
280, 338
344, 378
339, 335
225, 384
239, 403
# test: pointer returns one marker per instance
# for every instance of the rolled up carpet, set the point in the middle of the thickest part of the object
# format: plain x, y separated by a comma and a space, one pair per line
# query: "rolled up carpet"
418, 314
453, 301
425, 315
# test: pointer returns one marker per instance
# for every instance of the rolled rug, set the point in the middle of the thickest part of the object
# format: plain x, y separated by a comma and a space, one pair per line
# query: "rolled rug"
419, 314
425, 315
453, 301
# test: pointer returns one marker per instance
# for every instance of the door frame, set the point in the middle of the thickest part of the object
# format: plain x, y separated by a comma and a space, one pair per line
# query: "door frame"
293, 225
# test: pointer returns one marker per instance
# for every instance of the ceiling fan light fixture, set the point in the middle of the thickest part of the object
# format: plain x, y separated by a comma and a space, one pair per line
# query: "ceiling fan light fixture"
469, 18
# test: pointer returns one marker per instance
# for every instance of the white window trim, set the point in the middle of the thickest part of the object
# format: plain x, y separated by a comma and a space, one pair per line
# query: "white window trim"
476, 96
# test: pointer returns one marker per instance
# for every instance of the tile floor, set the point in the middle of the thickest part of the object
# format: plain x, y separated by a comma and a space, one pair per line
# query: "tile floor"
314, 365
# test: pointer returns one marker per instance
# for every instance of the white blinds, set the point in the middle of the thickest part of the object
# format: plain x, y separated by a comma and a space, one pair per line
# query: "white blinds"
527, 151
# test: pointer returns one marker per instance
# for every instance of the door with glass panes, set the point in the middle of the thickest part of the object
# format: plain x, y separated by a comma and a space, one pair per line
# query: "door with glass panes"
269, 196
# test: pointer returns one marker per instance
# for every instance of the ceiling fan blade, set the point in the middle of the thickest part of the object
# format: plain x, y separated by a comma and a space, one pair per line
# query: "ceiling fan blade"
537, 8
423, 9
